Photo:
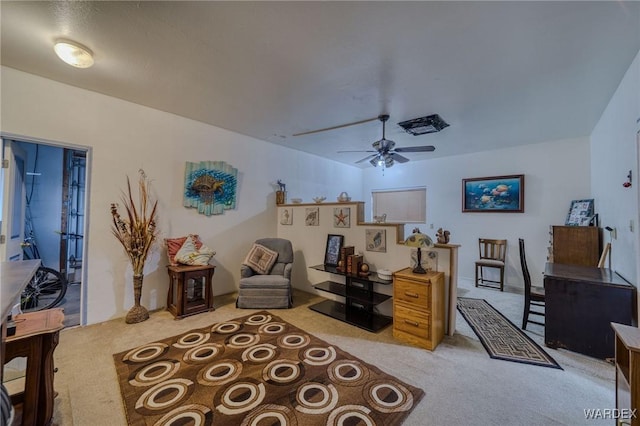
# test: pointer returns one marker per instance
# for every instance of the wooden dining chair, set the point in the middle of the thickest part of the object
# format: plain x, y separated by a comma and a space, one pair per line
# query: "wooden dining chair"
533, 296
492, 255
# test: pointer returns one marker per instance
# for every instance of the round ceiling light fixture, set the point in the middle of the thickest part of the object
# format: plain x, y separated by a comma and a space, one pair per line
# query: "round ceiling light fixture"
74, 53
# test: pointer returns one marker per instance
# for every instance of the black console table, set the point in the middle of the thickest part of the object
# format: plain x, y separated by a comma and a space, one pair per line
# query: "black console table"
360, 299
581, 303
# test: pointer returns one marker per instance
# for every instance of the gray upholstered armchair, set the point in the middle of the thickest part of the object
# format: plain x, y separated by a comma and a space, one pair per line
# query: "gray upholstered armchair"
265, 286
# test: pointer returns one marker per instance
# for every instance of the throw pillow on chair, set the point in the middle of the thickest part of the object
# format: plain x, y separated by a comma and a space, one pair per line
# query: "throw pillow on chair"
261, 259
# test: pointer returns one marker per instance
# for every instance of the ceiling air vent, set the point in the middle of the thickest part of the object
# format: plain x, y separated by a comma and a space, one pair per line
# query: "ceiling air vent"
423, 125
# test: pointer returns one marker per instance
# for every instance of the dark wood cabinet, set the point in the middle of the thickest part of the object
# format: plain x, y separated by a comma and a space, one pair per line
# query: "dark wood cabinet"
360, 299
576, 245
190, 290
581, 303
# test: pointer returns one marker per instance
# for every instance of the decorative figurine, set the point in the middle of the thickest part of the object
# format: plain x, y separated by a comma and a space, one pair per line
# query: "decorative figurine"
443, 236
380, 219
364, 270
281, 194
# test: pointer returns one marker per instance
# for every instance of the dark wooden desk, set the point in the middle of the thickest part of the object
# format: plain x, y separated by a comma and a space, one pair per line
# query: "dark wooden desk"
36, 338
581, 303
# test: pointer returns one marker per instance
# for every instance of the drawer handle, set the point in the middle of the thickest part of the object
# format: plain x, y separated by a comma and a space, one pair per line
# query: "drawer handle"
416, 295
413, 323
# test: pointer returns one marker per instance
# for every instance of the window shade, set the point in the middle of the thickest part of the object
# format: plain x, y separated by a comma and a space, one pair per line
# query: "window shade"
401, 205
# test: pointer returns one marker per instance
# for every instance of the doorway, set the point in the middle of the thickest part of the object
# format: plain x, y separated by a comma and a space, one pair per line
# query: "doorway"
54, 214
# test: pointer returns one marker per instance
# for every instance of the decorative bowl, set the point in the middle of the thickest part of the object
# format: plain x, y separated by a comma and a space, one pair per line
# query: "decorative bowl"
296, 200
385, 274
344, 197
319, 199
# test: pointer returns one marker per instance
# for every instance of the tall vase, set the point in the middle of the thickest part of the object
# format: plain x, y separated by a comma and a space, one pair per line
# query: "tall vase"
137, 313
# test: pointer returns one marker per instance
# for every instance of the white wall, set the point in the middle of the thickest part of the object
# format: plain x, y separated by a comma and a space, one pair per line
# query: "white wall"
555, 172
614, 152
123, 137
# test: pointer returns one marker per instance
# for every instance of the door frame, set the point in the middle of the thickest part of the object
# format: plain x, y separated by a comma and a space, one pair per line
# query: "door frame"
637, 218
13, 176
87, 219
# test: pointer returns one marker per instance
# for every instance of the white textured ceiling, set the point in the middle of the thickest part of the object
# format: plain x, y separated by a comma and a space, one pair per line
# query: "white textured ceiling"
500, 73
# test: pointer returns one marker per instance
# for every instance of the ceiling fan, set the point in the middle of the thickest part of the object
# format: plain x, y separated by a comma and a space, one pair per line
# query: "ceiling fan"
385, 154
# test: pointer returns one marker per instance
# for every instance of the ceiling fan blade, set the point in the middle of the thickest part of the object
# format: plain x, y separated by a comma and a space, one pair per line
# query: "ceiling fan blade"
369, 150
397, 157
426, 148
367, 158
335, 127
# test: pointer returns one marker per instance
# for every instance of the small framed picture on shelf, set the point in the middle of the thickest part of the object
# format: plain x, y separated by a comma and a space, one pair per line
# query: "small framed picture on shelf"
286, 217
376, 240
332, 251
342, 217
312, 216
580, 213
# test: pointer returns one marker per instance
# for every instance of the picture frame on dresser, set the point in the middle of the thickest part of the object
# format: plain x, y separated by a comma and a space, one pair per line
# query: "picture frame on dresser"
581, 213
332, 250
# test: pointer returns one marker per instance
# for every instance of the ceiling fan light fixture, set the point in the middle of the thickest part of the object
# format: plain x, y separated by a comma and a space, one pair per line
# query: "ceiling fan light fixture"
74, 53
384, 161
423, 125
385, 152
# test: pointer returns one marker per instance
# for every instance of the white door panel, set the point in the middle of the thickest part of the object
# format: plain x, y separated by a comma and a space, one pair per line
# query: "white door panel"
13, 201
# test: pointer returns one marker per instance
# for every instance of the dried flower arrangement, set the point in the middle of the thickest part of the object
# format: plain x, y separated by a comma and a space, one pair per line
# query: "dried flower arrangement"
136, 232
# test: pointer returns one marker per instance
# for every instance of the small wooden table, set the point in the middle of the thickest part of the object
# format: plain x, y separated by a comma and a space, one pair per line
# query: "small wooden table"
190, 290
37, 335
627, 364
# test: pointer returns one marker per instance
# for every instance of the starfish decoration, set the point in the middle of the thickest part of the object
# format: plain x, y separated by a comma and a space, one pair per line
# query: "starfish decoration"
341, 218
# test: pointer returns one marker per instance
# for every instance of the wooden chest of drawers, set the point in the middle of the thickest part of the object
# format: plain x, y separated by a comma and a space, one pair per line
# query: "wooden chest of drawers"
418, 308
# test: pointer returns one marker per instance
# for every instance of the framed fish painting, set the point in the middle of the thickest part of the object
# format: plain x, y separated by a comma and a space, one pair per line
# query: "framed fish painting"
497, 194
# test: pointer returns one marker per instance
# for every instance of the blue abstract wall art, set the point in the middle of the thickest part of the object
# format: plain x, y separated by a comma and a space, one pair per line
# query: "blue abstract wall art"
210, 186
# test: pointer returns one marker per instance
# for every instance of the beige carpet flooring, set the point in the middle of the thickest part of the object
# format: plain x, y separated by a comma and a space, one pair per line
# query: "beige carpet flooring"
462, 385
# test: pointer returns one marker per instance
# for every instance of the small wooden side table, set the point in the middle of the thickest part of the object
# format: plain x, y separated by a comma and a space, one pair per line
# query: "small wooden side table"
627, 360
190, 290
37, 335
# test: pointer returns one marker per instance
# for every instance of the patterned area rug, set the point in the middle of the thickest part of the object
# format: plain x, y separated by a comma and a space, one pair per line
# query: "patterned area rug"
500, 337
256, 370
